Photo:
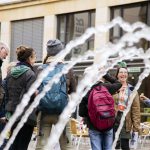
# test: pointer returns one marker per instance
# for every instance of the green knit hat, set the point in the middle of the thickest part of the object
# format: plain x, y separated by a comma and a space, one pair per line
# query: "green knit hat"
122, 64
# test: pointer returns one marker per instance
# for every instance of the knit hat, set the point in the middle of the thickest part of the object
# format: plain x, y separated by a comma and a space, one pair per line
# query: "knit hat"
54, 47
122, 64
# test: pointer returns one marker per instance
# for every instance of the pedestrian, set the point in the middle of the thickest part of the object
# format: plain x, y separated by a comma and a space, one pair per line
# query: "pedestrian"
4, 50
19, 81
132, 120
53, 103
101, 136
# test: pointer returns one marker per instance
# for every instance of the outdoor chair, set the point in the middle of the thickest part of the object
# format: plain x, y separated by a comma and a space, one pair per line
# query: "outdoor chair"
79, 133
144, 137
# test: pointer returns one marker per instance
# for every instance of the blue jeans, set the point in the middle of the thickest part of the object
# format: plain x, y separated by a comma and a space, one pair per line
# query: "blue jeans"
101, 140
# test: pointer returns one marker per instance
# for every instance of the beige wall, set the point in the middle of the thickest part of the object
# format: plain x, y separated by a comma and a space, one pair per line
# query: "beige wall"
46, 7
49, 30
49, 8
5, 37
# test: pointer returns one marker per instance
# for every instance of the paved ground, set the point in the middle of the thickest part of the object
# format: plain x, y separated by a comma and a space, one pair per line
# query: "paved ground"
86, 146
85, 143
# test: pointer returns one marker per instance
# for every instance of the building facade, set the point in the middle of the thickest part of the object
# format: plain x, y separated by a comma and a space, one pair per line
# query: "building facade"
34, 22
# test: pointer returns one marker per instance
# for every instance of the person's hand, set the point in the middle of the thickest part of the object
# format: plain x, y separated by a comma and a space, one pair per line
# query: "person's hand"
142, 97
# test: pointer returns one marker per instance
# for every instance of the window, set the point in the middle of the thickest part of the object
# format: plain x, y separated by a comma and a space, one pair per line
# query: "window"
133, 13
29, 33
71, 26
130, 13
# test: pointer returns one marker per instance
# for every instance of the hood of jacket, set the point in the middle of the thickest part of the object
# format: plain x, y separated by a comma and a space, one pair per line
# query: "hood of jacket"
17, 71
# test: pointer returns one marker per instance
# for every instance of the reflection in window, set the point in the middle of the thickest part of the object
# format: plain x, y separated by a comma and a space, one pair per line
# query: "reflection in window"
130, 13
72, 26
134, 14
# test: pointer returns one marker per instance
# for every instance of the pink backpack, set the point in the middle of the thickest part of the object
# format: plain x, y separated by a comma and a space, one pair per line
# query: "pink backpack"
101, 108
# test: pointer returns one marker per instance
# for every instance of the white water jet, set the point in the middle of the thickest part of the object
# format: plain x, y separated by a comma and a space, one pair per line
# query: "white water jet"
26, 98
82, 89
35, 85
89, 32
37, 99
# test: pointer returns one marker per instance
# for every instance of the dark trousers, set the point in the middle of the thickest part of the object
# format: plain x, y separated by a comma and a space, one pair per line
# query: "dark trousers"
123, 144
23, 138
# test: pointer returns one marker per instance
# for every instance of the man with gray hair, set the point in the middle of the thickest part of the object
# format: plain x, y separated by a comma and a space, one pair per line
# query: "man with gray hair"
3, 54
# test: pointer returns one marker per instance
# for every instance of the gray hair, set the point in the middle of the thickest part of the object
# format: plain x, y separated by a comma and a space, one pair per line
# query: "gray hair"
3, 45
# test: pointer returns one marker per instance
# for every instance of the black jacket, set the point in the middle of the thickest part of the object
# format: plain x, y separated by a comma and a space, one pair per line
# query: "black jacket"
112, 87
18, 83
1, 88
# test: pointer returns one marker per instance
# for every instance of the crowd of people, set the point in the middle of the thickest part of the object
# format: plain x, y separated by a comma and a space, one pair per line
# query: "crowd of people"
102, 107
20, 76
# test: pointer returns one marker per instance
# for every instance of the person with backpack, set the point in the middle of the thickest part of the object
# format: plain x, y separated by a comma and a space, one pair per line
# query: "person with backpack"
132, 120
55, 100
19, 80
97, 107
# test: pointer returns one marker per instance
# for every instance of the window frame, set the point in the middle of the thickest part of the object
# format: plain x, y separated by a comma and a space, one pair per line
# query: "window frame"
122, 8
66, 16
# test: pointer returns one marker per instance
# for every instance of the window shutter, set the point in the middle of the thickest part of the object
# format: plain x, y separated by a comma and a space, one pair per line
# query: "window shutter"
28, 33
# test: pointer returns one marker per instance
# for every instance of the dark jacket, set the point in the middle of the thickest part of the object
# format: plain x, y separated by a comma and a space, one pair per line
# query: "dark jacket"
1, 88
19, 81
1, 62
112, 87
